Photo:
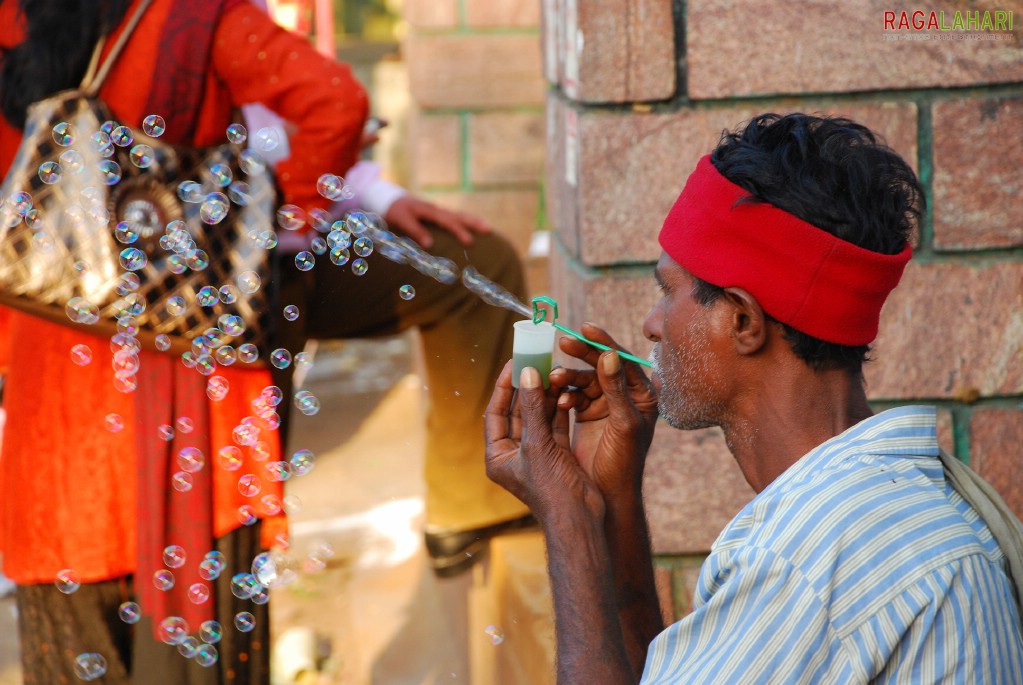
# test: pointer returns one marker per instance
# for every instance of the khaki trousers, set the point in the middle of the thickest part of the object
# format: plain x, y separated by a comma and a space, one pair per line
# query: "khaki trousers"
465, 344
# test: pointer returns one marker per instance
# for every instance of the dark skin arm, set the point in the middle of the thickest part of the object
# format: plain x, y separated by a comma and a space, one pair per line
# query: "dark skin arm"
586, 494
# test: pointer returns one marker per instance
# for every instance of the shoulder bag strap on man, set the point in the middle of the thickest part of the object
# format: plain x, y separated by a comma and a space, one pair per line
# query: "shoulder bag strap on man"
1005, 527
94, 77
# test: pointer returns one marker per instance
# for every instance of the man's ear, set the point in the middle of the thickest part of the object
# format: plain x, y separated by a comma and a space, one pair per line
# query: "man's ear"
747, 320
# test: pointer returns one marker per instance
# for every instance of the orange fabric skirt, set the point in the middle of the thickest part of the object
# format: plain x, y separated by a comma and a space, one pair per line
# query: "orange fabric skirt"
68, 465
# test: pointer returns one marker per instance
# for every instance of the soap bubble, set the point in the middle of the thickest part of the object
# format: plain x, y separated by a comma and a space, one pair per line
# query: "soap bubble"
173, 630
191, 459
163, 342
207, 296
273, 395
217, 388
114, 423
272, 504
110, 171
64, 134
267, 138
230, 458
244, 585
307, 403
244, 621
142, 156
304, 261
72, 161
188, 647
251, 162
239, 193
133, 259
247, 515
175, 305
237, 134
280, 358
154, 125
122, 136
248, 353
163, 580
249, 485
220, 175
291, 312
213, 208
248, 282
127, 234
81, 355
406, 292
495, 634
130, 612
50, 172
278, 471
330, 186
226, 355
182, 481
363, 246
340, 256
165, 432
206, 655
198, 593
228, 294
68, 581
80, 310
290, 217
174, 556
360, 267
319, 245
302, 462
90, 666
190, 191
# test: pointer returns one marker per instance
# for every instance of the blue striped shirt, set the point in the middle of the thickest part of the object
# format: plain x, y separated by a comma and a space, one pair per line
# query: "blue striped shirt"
858, 564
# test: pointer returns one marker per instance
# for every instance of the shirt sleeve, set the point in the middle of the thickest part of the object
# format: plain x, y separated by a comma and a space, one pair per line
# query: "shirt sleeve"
323, 103
760, 622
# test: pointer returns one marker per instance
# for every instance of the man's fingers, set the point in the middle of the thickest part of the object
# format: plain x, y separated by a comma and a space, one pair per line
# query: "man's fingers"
496, 419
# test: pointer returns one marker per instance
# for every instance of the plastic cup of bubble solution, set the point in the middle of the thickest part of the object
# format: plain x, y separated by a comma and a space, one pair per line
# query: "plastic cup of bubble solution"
533, 346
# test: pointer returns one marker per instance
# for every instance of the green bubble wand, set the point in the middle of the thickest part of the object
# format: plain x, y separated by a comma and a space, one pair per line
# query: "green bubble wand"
540, 315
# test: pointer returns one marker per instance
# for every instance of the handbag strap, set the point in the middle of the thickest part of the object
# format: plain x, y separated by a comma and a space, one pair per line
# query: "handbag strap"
94, 77
1005, 528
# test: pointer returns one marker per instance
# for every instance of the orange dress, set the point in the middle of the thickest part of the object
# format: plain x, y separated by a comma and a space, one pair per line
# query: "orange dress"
68, 485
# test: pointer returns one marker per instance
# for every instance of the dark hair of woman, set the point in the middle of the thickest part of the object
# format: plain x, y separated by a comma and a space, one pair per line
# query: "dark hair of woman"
834, 174
59, 39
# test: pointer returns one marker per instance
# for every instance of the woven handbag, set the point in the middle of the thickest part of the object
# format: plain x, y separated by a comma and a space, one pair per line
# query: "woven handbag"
104, 227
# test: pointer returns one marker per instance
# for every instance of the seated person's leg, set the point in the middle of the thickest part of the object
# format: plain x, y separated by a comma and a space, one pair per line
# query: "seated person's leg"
466, 342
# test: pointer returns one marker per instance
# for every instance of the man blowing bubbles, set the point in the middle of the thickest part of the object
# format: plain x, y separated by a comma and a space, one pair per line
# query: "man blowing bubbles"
857, 561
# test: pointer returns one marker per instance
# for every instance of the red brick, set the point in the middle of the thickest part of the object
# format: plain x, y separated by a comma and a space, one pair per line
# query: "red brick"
502, 13
561, 174
435, 149
489, 70
951, 330
513, 212
996, 435
506, 147
632, 166
692, 489
746, 47
618, 50
431, 13
978, 188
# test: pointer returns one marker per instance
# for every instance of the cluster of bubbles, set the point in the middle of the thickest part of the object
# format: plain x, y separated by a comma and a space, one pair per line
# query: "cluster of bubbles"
349, 241
102, 143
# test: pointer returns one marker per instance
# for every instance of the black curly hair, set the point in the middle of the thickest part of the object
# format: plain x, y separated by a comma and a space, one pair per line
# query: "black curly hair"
59, 40
830, 172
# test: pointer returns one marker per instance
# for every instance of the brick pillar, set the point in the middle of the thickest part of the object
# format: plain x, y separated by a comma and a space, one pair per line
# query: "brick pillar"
476, 133
640, 89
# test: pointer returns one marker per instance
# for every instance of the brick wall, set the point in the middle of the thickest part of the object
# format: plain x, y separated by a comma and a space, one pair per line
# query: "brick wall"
641, 88
476, 132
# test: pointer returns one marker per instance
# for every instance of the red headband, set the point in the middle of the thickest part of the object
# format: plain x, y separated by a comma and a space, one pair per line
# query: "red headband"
801, 275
